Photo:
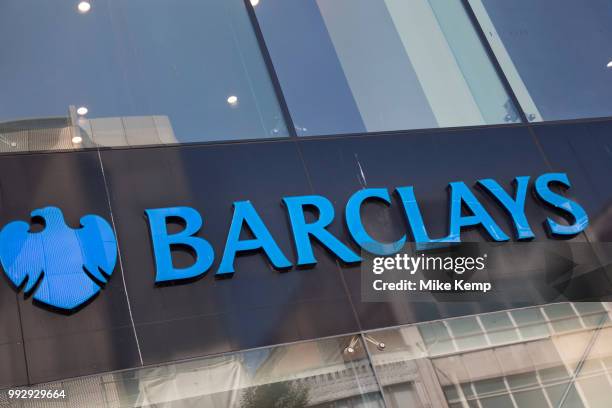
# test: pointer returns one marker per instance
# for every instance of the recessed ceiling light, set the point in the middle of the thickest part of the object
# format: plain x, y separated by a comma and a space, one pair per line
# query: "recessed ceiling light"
254, 2
82, 111
610, 64
84, 6
232, 100
77, 140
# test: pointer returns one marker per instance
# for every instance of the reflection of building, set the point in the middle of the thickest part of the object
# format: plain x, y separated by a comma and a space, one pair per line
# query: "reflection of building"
73, 132
328, 375
127, 131
557, 355
31, 135
397, 93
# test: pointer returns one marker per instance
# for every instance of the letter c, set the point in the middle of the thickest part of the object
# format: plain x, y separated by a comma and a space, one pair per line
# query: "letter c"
356, 228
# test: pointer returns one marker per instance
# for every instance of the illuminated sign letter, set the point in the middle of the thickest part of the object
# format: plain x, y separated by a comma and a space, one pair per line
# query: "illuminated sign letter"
302, 230
163, 241
244, 213
355, 225
575, 210
415, 219
514, 207
461, 194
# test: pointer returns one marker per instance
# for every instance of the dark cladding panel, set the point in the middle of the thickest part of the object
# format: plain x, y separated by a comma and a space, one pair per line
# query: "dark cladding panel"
98, 337
13, 366
584, 151
13, 370
258, 305
12, 356
81, 353
429, 162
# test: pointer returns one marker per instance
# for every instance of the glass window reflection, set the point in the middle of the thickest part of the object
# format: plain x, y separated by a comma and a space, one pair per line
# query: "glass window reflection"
499, 327
555, 53
350, 66
560, 369
569, 368
329, 373
530, 322
135, 72
467, 332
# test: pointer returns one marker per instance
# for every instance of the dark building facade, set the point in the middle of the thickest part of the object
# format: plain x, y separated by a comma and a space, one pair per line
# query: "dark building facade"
123, 107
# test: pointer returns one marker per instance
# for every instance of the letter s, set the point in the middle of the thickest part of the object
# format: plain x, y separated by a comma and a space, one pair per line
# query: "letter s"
542, 188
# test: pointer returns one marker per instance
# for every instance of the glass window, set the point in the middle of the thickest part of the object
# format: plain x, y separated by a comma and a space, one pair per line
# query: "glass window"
322, 374
562, 317
132, 72
407, 378
351, 66
403, 395
436, 338
593, 314
526, 390
493, 393
530, 398
564, 395
530, 322
530, 373
468, 392
533, 382
467, 333
451, 394
555, 53
499, 327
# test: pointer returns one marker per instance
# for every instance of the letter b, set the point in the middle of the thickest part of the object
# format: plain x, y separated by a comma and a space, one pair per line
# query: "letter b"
163, 241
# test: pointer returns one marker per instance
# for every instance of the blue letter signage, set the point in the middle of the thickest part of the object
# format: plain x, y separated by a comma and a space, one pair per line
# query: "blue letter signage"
245, 214
162, 242
542, 188
64, 268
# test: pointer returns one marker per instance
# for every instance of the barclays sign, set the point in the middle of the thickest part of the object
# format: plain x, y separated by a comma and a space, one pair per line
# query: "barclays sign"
65, 268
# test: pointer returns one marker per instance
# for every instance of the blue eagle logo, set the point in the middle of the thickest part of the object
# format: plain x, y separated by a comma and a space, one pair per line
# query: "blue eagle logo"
62, 267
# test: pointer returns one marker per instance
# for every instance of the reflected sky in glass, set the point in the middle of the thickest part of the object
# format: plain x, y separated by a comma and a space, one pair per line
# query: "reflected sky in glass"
353, 66
558, 50
195, 64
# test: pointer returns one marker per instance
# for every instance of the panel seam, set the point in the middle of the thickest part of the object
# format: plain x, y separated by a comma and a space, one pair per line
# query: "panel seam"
110, 209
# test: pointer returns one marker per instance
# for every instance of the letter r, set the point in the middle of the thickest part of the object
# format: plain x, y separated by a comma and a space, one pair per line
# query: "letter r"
163, 241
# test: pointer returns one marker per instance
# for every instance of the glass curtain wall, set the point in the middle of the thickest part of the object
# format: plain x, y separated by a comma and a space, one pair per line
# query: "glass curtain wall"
328, 373
148, 72
556, 54
136, 72
350, 66
555, 356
